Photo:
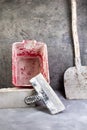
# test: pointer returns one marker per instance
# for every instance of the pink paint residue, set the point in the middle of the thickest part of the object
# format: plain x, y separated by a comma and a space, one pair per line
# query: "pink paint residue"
29, 58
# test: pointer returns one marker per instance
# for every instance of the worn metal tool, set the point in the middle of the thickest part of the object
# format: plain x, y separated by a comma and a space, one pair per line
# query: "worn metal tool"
75, 78
46, 94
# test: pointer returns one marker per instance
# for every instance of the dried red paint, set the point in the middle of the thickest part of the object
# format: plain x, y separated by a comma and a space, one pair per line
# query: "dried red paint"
29, 58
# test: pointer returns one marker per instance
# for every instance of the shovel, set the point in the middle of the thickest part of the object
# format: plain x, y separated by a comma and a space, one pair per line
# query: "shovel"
75, 78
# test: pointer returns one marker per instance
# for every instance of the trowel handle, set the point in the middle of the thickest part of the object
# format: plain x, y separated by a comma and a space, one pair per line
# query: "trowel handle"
75, 33
32, 99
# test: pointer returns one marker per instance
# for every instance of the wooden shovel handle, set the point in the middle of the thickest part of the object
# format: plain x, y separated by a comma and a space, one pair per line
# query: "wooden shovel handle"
75, 33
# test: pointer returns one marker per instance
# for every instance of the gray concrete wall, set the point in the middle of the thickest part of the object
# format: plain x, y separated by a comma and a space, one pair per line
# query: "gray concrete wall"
44, 20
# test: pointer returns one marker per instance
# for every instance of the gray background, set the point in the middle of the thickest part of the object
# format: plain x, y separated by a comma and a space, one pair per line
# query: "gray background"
47, 21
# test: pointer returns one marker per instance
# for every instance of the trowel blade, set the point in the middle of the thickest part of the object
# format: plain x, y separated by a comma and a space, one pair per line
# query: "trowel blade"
46, 93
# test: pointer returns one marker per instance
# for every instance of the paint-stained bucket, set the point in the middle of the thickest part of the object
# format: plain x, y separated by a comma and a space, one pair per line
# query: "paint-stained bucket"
29, 58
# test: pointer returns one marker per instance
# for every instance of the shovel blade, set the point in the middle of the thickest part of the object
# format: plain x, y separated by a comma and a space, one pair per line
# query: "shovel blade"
75, 83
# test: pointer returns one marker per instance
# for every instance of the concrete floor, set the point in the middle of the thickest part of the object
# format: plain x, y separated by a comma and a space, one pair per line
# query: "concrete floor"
38, 118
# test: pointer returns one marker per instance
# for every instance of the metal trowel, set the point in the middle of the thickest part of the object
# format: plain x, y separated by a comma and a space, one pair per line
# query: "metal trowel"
75, 78
46, 94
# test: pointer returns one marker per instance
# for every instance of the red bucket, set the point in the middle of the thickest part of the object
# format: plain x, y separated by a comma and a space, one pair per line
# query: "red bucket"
29, 58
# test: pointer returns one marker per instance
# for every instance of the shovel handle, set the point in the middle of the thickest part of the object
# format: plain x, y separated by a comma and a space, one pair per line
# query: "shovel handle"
75, 33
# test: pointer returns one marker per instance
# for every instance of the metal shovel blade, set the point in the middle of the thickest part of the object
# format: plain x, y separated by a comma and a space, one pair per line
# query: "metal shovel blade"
75, 83
47, 95
75, 78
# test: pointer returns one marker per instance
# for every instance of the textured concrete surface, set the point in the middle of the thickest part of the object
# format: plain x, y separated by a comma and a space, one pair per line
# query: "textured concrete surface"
73, 118
14, 98
47, 21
